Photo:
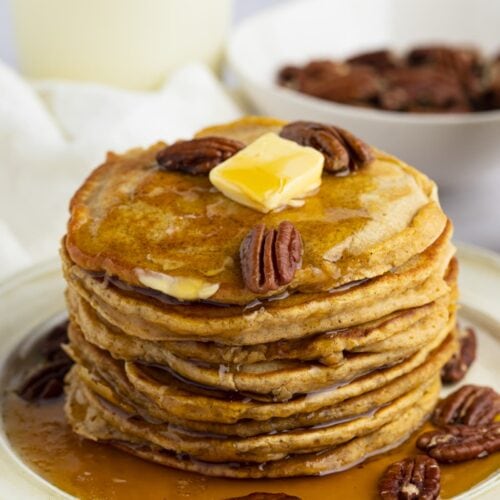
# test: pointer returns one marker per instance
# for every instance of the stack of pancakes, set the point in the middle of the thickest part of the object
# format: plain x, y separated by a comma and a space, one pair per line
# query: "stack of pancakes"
339, 364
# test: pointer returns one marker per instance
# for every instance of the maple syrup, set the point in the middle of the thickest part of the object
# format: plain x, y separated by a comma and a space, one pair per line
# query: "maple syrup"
40, 435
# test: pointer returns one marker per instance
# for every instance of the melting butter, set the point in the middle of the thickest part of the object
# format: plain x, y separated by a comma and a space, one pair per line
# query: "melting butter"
177, 286
269, 173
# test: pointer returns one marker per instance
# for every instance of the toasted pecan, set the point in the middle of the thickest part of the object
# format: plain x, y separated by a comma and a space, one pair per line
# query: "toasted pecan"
342, 150
469, 405
46, 379
411, 479
197, 156
262, 495
459, 364
380, 60
458, 443
270, 258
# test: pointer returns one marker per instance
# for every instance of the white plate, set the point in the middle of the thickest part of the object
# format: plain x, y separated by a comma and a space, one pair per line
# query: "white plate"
35, 296
295, 32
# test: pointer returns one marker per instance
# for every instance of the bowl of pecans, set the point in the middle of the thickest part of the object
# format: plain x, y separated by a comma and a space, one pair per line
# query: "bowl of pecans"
391, 71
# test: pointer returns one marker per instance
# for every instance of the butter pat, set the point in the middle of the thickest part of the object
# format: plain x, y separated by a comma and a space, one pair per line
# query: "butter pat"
269, 173
177, 286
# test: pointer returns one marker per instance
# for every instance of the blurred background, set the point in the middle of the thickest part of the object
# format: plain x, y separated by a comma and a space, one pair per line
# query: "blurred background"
80, 77
238, 11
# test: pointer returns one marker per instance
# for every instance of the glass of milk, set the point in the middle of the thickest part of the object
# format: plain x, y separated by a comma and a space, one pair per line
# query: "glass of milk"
128, 43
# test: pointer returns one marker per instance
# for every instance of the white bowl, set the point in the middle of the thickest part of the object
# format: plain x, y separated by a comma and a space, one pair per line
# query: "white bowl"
452, 149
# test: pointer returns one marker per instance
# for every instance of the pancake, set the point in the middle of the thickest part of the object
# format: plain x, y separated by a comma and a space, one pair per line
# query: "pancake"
171, 396
261, 448
309, 376
245, 130
414, 325
92, 425
129, 216
416, 283
282, 380
363, 404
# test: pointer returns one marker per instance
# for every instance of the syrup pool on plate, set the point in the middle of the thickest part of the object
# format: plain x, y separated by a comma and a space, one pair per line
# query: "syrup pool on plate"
39, 434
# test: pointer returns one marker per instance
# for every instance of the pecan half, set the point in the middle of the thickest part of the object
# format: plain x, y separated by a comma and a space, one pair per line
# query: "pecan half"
459, 364
46, 379
289, 76
45, 382
444, 57
490, 98
50, 345
464, 63
411, 479
380, 60
423, 89
197, 156
495, 93
348, 84
469, 405
342, 150
269, 259
457, 443
260, 495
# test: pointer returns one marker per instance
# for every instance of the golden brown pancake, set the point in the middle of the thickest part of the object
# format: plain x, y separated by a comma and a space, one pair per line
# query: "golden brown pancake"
129, 215
420, 281
408, 327
90, 422
161, 394
261, 448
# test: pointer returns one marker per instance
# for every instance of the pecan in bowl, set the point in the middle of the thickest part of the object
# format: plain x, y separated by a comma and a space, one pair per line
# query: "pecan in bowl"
414, 478
464, 63
426, 79
381, 60
288, 76
458, 443
490, 99
422, 89
357, 85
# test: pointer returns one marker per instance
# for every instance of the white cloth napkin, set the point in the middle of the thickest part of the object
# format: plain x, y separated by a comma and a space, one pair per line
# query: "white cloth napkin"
53, 133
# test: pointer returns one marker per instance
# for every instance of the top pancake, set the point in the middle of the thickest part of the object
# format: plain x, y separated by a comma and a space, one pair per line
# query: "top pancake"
129, 215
